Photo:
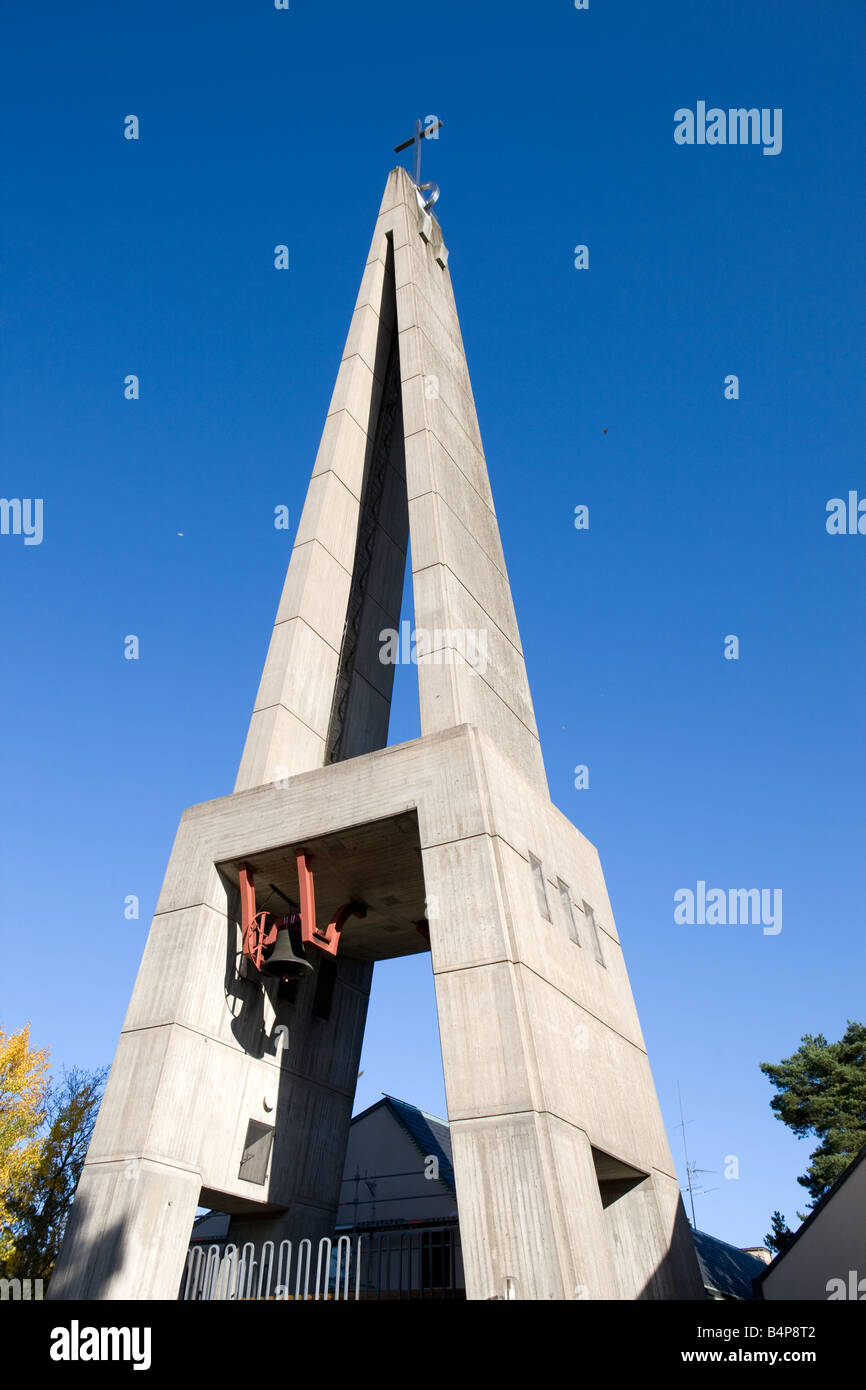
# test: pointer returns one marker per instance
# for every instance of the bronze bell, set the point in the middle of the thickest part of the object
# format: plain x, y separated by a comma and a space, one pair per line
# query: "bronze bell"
286, 960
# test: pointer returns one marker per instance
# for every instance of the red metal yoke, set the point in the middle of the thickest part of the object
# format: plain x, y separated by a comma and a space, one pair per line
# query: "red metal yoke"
259, 929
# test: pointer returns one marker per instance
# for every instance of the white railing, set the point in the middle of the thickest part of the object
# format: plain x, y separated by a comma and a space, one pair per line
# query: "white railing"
217, 1273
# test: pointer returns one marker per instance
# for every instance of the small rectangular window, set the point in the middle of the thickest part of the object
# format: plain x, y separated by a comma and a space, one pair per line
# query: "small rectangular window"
596, 936
540, 887
257, 1152
568, 911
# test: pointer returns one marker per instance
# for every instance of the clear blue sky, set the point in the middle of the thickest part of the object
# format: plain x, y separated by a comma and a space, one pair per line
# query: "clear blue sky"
155, 257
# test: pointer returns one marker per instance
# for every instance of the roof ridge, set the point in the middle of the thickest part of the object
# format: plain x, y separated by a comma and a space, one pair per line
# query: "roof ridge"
446, 1168
428, 1114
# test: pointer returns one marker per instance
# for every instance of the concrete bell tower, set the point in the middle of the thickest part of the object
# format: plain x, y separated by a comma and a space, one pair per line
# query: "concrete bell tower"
234, 1090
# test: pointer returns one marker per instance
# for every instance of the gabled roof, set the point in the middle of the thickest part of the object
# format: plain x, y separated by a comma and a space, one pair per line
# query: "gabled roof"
726, 1269
818, 1207
430, 1135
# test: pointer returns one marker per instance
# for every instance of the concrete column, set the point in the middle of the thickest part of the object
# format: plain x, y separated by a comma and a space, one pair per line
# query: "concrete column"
289, 729
128, 1232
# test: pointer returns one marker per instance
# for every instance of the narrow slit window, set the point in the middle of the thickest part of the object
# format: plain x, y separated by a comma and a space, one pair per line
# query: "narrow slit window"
596, 935
540, 887
568, 911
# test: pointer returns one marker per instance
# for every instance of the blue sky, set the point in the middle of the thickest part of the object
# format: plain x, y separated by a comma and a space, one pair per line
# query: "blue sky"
707, 516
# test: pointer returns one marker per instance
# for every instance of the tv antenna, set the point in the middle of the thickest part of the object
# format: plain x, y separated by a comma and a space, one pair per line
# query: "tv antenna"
691, 1168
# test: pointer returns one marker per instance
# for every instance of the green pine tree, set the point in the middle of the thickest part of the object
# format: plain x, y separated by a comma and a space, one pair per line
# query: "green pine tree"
779, 1237
821, 1090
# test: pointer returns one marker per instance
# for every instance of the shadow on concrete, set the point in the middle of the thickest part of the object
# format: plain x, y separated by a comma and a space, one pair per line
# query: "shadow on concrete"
244, 993
679, 1270
85, 1268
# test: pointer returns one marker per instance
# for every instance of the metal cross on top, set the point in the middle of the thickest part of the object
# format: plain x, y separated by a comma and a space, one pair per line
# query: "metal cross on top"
422, 132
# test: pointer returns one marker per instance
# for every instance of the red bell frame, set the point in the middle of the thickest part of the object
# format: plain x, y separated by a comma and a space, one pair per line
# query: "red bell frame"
259, 929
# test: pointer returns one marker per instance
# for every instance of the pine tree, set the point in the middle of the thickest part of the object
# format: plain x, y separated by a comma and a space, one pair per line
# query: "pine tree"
779, 1237
821, 1090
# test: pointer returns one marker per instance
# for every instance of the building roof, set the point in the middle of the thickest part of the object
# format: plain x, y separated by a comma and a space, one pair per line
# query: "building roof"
726, 1269
430, 1135
818, 1207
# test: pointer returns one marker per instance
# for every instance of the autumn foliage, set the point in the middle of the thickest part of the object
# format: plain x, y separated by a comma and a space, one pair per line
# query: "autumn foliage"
45, 1127
24, 1084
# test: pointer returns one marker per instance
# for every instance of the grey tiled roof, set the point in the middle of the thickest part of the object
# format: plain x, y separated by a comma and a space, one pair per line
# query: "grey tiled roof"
725, 1268
430, 1135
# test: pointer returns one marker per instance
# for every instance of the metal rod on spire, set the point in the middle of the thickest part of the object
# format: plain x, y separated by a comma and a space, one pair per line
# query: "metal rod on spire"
422, 132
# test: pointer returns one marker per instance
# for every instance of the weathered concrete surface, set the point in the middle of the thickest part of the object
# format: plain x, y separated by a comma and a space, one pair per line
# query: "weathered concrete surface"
565, 1183
435, 460
542, 1050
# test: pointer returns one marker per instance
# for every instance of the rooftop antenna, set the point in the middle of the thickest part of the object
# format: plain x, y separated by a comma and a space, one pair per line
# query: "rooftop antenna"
691, 1168
699, 1191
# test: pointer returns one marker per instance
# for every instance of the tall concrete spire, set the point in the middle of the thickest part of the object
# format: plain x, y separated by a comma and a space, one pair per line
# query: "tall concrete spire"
401, 428
565, 1183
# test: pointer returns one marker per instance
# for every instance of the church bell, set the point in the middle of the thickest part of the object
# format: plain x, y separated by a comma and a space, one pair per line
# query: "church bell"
286, 960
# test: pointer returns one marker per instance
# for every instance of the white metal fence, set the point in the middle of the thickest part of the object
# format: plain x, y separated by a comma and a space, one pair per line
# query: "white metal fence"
282, 1273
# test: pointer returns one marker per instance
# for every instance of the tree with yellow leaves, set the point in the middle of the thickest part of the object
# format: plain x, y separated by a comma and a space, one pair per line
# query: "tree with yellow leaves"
45, 1128
24, 1083
39, 1206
